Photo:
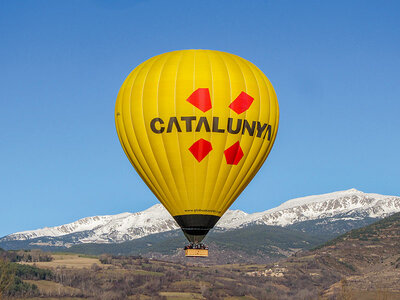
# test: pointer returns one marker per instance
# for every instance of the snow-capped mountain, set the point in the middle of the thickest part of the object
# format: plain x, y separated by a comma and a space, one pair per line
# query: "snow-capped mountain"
351, 203
106, 229
343, 205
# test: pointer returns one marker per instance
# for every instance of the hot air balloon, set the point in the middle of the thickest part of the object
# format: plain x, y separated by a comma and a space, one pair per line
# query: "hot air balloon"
196, 125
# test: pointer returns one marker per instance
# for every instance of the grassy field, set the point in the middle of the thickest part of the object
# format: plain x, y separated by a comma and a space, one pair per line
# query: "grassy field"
181, 296
53, 288
72, 261
240, 298
49, 298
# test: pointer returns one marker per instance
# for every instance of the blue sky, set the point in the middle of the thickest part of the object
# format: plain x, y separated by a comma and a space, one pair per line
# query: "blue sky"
334, 65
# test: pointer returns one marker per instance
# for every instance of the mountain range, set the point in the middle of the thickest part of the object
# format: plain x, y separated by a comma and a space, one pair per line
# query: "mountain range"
326, 215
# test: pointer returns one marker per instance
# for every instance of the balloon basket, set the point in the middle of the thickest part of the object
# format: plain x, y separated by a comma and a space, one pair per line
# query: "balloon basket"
196, 252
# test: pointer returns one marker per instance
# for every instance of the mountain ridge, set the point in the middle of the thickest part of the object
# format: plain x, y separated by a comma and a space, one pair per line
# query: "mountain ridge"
349, 205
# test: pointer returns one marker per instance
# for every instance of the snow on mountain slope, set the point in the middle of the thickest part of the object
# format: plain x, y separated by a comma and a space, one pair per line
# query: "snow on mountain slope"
121, 227
128, 226
350, 202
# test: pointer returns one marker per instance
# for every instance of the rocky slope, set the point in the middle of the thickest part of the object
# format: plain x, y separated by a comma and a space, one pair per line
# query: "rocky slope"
364, 259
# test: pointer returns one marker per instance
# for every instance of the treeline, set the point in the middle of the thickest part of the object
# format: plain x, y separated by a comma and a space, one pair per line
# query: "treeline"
25, 256
12, 276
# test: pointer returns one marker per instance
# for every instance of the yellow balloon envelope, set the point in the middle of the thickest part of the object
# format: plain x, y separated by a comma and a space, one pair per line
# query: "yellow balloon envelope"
197, 125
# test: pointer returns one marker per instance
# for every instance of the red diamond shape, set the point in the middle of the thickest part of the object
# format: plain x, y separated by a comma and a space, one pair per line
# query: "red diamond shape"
233, 154
241, 103
200, 149
201, 99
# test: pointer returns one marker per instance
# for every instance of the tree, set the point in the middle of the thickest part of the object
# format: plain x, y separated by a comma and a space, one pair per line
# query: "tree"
7, 276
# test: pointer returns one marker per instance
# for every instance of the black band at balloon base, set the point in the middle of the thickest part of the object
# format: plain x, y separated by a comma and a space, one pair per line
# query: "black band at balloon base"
196, 227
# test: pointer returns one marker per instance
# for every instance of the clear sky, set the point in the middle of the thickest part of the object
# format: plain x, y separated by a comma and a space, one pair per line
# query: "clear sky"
335, 66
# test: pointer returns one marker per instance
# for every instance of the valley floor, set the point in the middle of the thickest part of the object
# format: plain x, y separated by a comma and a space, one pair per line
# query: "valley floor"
75, 276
